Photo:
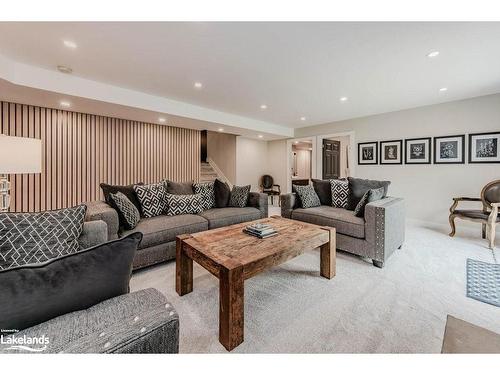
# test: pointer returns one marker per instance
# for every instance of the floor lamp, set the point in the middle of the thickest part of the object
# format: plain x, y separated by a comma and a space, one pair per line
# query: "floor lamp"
17, 155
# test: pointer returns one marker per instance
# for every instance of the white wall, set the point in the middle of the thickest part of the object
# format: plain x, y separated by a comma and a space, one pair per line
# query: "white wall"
251, 162
428, 189
276, 162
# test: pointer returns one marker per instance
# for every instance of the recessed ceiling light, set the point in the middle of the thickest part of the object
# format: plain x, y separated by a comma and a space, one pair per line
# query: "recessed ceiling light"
263, 106
64, 103
343, 98
443, 89
302, 118
433, 54
260, 136
70, 44
64, 69
296, 142
198, 85
221, 129
162, 119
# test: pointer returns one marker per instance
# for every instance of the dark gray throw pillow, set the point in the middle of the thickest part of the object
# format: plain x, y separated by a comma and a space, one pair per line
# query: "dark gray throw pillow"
358, 187
36, 237
184, 204
127, 190
324, 191
222, 193
127, 213
371, 195
239, 196
179, 188
33, 294
308, 196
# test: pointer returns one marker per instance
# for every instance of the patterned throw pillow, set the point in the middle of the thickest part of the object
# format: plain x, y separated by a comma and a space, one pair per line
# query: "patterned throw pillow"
371, 195
129, 214
152, 198
340, 193
308, 196
29, 238
239, 196
184, 204
207, 192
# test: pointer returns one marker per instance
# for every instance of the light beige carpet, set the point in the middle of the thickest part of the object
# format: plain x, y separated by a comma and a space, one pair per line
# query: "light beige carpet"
401, 308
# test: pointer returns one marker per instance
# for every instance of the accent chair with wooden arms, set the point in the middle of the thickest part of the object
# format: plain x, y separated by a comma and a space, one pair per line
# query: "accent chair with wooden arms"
488, 216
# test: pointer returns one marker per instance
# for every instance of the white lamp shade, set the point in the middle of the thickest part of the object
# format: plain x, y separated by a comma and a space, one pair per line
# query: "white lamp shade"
20, 155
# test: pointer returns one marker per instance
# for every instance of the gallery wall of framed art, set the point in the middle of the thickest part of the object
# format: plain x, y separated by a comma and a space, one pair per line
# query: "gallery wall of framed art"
449, 149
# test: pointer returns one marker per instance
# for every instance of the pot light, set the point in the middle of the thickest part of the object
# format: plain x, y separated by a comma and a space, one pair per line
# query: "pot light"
443, 89
162, 119
433, 54
221, 129
260, 136
344, 99
296, 142
64, 69
64, 103
198, 85
263, 106
302, 118
70, 44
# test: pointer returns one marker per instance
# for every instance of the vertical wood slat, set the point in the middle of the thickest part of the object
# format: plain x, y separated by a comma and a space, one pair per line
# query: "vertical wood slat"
79, 151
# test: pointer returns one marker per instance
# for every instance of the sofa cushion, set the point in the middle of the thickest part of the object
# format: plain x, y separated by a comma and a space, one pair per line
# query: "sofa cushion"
344, 221
221, 217
207, 191
239, 196
308, 196
33, 294
358, 187
162, 229
182, 204
371, 195
127, 190
222, 193
142, 321
179, 188
27, 238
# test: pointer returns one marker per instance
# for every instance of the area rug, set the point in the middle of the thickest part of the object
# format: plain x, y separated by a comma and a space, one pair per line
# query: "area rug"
483, 281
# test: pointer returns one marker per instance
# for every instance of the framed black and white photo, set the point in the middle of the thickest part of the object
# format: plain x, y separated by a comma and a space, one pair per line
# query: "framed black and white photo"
484, 148
367, 153
390, 152
449, 150
418, 151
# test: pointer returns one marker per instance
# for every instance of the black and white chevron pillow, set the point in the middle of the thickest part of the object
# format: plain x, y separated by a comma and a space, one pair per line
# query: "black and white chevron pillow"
128, 212
30, 238
152, 199
207, 192
340, 193
239, 196
184, 204
308, 196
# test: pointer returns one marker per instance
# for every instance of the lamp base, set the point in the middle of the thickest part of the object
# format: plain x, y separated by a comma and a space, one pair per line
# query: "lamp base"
4, 193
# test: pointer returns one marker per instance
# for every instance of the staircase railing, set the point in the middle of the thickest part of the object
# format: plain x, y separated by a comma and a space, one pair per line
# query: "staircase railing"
220, 174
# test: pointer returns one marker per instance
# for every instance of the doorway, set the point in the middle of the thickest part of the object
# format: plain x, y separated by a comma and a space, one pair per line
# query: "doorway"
301, 161
331, 159
336, 159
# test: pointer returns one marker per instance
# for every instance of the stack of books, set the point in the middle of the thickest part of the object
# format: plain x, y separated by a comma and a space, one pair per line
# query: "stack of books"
260, 230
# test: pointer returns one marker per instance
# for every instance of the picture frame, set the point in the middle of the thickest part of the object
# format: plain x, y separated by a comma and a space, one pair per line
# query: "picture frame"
368, 153
449, 149
391, 152
418, 150
484, 147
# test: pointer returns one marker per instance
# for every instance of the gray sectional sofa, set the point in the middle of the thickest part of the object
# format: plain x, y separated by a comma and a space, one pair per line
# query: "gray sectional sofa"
158, 244
376, 235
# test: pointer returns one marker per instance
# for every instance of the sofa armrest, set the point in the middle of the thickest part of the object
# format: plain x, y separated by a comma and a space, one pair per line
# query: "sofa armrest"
94, 233
102, 211
259, 201
385, 226
288, 203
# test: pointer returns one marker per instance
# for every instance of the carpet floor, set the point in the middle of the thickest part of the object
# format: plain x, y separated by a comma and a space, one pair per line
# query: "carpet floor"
401, 308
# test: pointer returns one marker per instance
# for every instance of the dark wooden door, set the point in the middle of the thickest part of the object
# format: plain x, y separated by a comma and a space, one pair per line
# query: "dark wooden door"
331, 159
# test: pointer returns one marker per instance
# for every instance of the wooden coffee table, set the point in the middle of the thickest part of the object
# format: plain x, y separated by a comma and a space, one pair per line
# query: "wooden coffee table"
233, 256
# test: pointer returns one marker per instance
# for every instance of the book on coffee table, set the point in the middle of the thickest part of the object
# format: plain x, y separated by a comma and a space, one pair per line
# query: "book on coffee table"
260, 230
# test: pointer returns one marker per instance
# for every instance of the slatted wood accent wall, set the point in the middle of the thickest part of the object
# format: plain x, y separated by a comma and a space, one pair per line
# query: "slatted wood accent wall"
81, 150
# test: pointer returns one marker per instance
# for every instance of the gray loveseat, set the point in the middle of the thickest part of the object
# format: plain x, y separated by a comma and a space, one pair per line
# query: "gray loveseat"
158, 244
138, 322
376, 235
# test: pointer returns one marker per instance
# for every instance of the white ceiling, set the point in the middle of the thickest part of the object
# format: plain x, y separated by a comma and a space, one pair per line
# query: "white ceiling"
297, 69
